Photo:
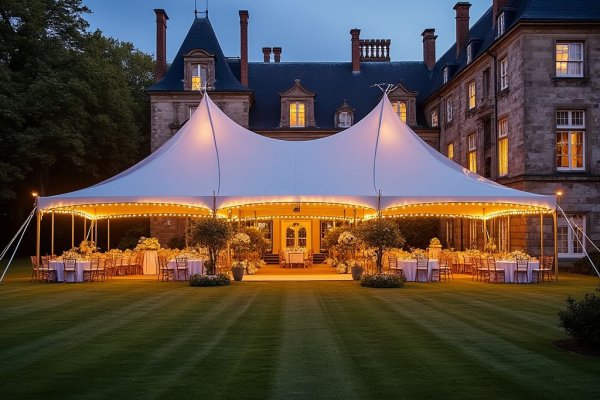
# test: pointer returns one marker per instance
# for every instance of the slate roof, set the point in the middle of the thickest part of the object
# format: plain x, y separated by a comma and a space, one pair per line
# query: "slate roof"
200, 36
334, 82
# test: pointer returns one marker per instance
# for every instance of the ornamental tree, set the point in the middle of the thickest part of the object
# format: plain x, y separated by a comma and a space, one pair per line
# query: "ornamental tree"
212, 233
382, 235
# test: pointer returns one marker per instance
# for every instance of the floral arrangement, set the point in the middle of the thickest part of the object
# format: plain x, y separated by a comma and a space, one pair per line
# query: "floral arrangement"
519, 254
87, 247
342, 268
418, 253
332, 262
435, 242
490, 246
353, 264
251, 268
347, 239
473, 252
295, 248
145, 243
70, 254
239, 265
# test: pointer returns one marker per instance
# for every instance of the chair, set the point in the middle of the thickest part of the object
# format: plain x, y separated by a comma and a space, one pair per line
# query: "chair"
35, 270
90, 273
445, 271
164, 272
468, 264
181, 264
521, 269
422, 266
48, 274
393, 264
491, 261
101, 272
135, 263
545, 269
282, 262
308, 261
69, 266
109, 267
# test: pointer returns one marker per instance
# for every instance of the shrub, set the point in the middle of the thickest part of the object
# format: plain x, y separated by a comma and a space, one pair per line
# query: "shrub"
382, 281
583, 265
418, 230
581, 320
382, 235
210, 280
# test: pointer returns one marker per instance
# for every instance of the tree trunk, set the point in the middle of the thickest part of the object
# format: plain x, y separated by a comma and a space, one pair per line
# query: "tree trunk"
379, 258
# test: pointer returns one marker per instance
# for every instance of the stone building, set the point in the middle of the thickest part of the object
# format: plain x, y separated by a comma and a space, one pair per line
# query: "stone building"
514, 99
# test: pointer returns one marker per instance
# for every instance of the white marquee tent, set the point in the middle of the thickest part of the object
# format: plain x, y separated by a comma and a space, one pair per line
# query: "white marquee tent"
214, 163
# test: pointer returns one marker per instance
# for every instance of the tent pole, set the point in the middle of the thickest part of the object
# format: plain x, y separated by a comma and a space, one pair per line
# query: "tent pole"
84, 228
52, 237
541, 236
72, 228
108, 234
555, 221
96, 232
38, 236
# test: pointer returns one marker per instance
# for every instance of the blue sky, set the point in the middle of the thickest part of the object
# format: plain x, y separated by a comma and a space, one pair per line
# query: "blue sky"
307, 31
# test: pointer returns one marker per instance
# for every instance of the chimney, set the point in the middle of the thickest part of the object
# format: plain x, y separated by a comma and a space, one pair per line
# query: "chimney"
244, 47
266, 54
497, 8
277, 54
161, 44
355, 50
429, 47
462, 25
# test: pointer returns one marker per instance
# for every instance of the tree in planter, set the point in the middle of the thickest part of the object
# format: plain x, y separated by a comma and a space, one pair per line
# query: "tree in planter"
212, 233
380, 234
258, 242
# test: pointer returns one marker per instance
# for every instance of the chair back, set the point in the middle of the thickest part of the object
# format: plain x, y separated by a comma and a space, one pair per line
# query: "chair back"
181, 262
422, 262
94, 264
491, 263
392, 262
70, 263
34, 262
522, 264
549, 262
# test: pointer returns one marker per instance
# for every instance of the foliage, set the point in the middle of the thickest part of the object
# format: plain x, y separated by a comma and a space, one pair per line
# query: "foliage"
210, 280
131, 236
332, 236
240, 244
581, 319
381, 234
583, 265
176, 242
382, 281
418, 231
212, 233
258, 242
145, 243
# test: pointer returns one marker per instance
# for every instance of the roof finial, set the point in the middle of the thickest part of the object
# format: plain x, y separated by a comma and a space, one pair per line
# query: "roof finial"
196, 12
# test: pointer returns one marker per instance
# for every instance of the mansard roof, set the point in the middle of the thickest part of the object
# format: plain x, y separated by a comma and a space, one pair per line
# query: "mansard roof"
201, 36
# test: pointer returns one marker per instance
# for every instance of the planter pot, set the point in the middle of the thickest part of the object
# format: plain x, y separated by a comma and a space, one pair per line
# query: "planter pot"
238, 274
357, 273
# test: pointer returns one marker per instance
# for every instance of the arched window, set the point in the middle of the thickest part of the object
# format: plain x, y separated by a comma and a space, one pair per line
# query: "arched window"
344, 119
302, 237
290, 237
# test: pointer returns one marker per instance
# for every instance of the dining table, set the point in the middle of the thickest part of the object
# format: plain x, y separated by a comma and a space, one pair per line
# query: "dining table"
409, 267
58, 266
295, 258
194, 267
510, 267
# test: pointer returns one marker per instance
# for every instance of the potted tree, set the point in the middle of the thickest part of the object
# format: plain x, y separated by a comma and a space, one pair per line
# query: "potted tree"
240, 244
212, 233
380, 234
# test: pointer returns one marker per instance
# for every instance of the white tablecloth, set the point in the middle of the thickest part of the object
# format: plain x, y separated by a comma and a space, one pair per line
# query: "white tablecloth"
295, 257
510, 266
58, 266
410, 269
150, 266
194, 267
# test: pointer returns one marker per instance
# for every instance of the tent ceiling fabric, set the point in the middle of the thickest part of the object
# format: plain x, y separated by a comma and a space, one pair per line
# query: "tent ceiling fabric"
380, 160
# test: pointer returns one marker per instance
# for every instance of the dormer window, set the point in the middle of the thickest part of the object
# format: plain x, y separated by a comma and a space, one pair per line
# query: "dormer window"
400, 108
198, 76
404, 104
501, 24
344, 116
435, 119
446, 75
469, 53
297, 107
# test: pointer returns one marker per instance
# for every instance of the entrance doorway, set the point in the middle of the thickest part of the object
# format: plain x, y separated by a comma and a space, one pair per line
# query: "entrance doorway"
296, 234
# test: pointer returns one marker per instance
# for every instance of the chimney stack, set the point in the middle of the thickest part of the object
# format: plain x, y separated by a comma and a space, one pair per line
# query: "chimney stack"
161, 44
244, 47
266, 54
497, 8
277, 54
462, 25
429, 38
355, 50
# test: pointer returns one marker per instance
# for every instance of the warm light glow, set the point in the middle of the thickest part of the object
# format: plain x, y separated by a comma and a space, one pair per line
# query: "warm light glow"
297, 118
559, 193
34, 194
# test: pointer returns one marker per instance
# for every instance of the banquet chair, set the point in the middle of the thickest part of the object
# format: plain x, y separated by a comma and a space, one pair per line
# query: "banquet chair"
308, 261
544, 270
109, 267
135, 266
89, 273
48, 274
445, 271
69, 266
476, 270
496, 272
181, 265
468, 264
422, 267
101, 272
393, 265
164, 272
521, 269
35, 270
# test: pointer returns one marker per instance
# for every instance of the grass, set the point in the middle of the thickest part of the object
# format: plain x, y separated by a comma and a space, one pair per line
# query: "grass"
288, 340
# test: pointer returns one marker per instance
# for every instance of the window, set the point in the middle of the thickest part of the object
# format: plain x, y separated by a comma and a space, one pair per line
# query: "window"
449, 110
297, 119
198, 76
503, 147
504, 74
471, 93
400, 108
344, 119
501, 21
570, 140
445, 75
450, 151
569, 59
569, 242
472, 153
486, 83
435, 120
469, 53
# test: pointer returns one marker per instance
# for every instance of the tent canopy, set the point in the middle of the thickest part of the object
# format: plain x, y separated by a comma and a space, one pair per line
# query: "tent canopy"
214, 163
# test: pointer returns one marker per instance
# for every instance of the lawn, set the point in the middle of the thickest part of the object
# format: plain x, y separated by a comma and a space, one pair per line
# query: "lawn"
289, 340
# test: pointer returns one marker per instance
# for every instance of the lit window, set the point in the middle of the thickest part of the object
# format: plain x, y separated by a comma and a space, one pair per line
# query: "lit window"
570, 140
297, 119
344, 119
449, 110
400, 109
569, 59
472, 153
469, 53
503, 147
501, 24
435, 120
445, 75
569, 242
198, 76
503, 74
471, 92
450, 151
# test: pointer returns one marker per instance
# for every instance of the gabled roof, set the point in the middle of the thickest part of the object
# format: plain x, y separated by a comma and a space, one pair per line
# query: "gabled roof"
200, 36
